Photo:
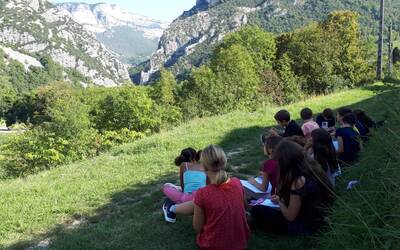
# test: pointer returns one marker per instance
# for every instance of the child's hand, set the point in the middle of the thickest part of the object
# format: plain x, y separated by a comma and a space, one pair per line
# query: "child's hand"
273, 132
275, 199
252, 181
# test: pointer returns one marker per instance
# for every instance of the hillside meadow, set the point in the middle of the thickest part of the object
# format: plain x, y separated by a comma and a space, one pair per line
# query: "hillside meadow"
114, 201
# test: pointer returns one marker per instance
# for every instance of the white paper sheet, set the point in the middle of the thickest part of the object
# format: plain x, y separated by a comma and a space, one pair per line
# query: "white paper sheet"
252, 188
269, 203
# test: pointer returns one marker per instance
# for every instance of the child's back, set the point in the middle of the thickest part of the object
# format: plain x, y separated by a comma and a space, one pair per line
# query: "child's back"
225, 224
351, 144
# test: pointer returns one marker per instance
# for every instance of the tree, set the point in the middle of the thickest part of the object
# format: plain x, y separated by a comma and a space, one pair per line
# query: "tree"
127, 107
260, 44
7, 95
163, 93
341, 27
17, 74
163, 89
396, 55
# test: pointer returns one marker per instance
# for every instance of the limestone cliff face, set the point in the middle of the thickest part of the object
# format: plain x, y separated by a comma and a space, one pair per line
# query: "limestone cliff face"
190, 39
202, 26
37, 27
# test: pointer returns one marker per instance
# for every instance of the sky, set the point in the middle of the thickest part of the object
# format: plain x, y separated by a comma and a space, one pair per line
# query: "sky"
165, 10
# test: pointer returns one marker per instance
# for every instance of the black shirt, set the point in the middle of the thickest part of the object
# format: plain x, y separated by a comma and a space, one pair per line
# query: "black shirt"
351, 144
292, 129
320, 119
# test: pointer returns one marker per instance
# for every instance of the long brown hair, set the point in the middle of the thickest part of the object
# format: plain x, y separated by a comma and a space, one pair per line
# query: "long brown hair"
214, 159
324, 151
293, 163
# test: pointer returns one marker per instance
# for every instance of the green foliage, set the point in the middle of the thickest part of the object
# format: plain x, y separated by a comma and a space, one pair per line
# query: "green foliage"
62, 133
7, 95
127, 107
324, 65
231, 82
260, 44
163, 89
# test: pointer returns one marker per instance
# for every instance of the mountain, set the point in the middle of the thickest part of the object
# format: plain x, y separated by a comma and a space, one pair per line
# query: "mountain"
35, 28
190, 38
133, 37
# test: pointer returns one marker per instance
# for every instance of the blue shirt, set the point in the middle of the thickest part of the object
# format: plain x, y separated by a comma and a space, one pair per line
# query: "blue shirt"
193, 180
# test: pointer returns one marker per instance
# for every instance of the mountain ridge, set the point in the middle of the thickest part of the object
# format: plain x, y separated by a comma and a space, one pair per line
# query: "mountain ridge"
36, 28
190, 38
118, 29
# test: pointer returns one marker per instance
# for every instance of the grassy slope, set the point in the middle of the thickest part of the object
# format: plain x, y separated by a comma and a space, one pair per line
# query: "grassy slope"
116, 195
368, 216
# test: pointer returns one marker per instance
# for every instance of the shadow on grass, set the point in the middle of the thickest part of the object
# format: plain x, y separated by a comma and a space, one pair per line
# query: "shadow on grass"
133, 220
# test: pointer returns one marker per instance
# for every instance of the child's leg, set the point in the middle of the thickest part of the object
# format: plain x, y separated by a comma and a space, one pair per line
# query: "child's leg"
186, 208
270, 219
174, 193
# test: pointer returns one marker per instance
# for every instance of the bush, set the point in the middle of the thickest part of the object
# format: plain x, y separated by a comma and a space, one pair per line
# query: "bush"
62, 133
126, 107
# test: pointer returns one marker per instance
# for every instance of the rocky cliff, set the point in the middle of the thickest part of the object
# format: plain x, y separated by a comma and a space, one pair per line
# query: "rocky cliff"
133, 37
190, 39
37, 27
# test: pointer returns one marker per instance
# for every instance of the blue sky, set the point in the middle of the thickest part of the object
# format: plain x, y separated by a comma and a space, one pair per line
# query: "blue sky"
165, 10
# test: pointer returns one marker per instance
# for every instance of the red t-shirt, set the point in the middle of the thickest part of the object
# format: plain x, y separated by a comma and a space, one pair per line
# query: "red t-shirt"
271, 168
225, 225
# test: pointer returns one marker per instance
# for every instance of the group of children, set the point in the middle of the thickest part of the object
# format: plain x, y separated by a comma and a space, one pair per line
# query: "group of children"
296, 181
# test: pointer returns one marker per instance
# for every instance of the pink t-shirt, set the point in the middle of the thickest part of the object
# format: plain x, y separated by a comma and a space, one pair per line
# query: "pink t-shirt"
225, 225
271, 168
309, 127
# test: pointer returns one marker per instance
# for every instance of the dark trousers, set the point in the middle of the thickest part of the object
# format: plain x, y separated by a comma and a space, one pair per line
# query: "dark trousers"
269, 219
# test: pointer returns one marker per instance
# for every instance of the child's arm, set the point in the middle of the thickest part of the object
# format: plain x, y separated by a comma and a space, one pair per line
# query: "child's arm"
198, 218
265, 181
292, 211
341, 147
181, 171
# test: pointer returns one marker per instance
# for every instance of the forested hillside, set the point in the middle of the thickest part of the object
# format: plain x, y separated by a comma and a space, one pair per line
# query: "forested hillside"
190, 38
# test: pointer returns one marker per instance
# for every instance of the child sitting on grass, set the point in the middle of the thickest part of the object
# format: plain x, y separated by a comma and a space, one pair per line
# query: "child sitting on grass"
308, 123
218, 209
191, 174
358, 126
348, 139
368, 123
322, 150
304, 194
269, 170
282, 117
326, 120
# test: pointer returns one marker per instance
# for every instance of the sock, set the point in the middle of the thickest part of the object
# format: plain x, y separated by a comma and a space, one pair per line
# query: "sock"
172, 208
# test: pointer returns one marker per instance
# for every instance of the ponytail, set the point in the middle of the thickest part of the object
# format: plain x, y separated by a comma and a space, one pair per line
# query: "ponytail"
222, 177
214, 159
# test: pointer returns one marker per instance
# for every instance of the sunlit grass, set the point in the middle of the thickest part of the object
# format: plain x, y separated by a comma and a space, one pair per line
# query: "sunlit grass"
116, 196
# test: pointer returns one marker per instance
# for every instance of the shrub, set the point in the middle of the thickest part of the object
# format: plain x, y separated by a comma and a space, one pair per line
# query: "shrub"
126, 107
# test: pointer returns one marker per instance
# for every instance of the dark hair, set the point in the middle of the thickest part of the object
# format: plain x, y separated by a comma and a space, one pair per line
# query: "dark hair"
324, 151
328, 113
306, 114
364, 118
350, 119
293, 163
344, 111
271, 142
187, 155
282, 115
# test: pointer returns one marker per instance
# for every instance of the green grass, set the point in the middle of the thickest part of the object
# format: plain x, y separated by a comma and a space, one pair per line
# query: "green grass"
4, 137
116, 195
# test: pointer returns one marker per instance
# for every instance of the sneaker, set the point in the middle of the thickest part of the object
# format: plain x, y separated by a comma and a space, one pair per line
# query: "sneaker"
168, 215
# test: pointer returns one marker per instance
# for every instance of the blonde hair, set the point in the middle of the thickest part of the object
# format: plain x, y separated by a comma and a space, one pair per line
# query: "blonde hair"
214, 159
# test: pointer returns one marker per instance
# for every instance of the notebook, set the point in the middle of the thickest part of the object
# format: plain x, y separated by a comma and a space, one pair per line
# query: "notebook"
269, 203
252, 188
